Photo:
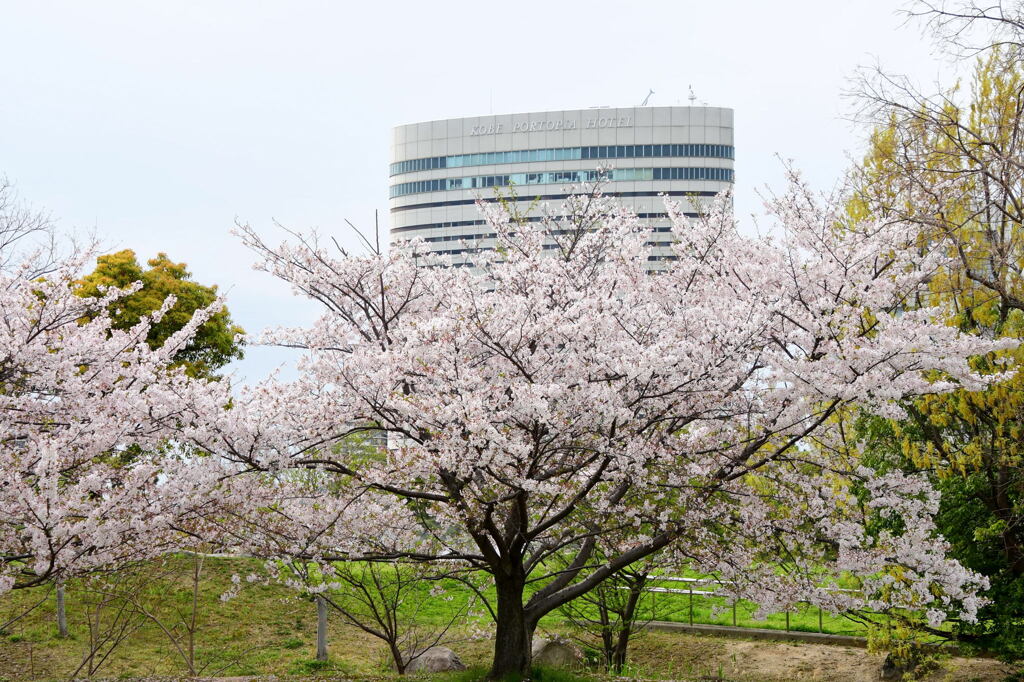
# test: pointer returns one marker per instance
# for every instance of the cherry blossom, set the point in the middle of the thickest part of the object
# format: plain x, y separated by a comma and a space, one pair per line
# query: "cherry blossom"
559, 393
85, 413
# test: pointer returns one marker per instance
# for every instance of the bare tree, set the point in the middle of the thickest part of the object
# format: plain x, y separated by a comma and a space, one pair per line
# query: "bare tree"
610, 615
182, 626
111, 617
616, 612
159, 601
390, 601
966, 28
27, 235
953, 162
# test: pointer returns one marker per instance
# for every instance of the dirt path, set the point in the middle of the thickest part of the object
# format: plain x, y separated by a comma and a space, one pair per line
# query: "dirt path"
691, 657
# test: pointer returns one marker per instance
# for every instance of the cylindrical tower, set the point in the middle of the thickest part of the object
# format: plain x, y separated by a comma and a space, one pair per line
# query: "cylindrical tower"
440, 168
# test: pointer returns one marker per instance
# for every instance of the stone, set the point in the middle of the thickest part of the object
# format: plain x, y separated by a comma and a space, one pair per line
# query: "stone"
556, 653
436, 659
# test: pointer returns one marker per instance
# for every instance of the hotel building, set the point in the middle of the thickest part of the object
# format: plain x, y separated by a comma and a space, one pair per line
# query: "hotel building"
440, 168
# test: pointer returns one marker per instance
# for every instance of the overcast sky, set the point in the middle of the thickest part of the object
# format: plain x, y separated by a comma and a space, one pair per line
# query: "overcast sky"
157, 124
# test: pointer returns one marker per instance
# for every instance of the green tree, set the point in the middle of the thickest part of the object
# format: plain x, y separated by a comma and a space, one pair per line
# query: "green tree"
957, 172
216, 343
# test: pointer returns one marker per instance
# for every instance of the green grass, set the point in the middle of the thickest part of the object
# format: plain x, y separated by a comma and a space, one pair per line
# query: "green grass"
270, 630
713, 610
265, 629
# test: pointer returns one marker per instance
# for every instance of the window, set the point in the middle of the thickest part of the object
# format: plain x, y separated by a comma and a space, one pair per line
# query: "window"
566, 177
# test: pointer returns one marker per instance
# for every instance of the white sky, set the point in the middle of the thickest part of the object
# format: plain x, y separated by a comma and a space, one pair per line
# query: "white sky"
156, 124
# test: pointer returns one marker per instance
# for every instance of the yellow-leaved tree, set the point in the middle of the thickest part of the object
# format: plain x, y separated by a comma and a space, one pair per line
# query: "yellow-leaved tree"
952, 166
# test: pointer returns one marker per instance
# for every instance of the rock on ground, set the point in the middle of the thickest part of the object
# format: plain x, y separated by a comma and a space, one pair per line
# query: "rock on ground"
436, 659
556, 653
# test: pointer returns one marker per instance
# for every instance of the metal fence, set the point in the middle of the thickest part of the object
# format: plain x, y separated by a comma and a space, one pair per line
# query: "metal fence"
694, 586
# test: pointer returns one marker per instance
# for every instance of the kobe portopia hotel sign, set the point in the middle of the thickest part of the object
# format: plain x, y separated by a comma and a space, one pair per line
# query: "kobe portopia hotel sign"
527, 126
439, 169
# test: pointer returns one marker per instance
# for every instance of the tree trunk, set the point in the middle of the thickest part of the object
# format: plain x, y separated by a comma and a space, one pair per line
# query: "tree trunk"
628, 618
1003, 509
621, 649
607, 631
398, 657
608, 648
514, 634
321, 629
62, 616
197, 569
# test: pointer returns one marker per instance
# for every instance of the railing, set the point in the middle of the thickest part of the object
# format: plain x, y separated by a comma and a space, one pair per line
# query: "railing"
690, 591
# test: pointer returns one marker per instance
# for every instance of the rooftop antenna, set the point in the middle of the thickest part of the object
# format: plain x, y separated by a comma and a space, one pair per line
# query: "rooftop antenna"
644, 103
692, 97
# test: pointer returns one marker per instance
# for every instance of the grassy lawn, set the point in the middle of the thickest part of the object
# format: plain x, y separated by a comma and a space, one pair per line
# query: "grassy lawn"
269, 629
265, 629
714, 610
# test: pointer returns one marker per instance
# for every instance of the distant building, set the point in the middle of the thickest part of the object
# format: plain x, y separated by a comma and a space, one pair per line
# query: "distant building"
440, 168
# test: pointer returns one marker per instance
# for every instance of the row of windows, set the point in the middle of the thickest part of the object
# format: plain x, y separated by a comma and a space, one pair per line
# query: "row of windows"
494, 235
630, 151
529, 219
546, 247
551, 197
651, 271
550, 177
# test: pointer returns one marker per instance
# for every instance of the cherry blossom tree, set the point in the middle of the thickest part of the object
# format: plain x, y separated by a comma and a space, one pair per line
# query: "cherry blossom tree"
76, 396
557, 393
